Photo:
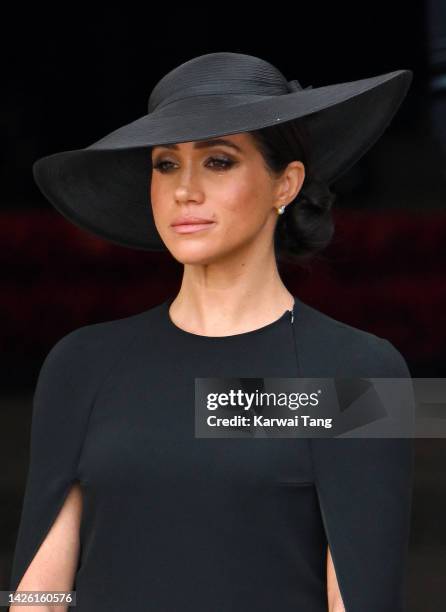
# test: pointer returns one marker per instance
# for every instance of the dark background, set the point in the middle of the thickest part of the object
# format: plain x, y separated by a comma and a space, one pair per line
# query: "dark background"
70, 77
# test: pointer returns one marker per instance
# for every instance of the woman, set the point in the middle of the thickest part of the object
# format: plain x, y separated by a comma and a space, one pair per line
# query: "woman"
123, 502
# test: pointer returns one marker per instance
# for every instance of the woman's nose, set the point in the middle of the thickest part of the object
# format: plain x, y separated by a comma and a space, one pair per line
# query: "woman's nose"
188, 185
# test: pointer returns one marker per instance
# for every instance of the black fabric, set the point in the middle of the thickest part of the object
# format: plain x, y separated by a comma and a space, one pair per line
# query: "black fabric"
174, 522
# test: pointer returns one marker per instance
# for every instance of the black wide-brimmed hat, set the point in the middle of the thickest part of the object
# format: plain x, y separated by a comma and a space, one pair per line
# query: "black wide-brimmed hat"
104, 188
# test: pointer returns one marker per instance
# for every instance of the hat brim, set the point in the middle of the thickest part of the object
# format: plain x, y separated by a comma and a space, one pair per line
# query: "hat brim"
104, 188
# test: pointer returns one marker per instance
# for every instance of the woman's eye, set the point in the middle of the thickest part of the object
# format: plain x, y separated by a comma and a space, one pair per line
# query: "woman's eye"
213, 162
161, 166
222, 163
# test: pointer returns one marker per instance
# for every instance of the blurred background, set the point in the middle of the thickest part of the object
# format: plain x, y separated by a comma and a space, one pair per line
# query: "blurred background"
70, 77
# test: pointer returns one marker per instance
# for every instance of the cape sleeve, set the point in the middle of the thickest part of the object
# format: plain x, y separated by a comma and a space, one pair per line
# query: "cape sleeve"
59, 420
364, 487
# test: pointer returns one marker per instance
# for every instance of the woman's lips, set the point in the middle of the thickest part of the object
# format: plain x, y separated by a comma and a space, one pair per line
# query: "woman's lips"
190, 228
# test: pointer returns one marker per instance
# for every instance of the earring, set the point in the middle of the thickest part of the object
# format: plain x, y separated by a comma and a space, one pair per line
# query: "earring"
281, 209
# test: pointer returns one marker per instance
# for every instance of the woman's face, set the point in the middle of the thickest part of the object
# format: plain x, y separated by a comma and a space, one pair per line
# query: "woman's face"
223, 181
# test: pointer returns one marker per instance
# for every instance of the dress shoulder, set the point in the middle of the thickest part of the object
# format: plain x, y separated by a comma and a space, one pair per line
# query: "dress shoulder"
364, 485
63, 399
329, 347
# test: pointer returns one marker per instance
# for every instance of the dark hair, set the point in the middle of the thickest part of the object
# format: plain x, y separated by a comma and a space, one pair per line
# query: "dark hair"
306, 226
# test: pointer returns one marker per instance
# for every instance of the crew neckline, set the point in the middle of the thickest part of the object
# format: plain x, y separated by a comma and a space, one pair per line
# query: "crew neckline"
287, 315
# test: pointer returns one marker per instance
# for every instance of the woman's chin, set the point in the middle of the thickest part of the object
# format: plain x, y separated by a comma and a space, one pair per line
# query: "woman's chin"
191, 251
198, 252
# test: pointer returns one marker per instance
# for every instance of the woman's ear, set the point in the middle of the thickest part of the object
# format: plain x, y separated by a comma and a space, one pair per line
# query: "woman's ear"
290, 182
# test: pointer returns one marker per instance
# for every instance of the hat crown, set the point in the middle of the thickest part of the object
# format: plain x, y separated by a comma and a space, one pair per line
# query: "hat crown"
222, 73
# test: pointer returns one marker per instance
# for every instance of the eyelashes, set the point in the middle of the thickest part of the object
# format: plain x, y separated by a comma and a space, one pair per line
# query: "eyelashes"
218, 163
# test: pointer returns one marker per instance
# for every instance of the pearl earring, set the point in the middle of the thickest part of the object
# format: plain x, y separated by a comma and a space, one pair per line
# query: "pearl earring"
281, 209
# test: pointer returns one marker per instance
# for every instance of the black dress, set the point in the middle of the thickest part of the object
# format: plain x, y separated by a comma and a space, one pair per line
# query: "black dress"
173, 522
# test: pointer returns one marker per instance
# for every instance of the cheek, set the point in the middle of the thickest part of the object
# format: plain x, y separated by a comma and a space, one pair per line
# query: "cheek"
159, 198
241, 216
155, 192
241, 203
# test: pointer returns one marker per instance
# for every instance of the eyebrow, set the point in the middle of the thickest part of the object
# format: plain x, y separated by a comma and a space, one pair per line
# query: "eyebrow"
204, 144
